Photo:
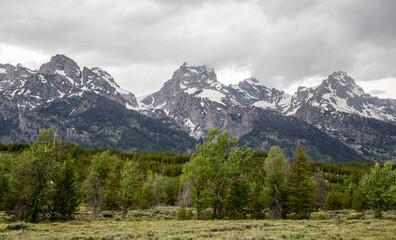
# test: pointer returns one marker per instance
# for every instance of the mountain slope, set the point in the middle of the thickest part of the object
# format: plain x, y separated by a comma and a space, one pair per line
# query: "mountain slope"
272, 128
86, 107
99, 121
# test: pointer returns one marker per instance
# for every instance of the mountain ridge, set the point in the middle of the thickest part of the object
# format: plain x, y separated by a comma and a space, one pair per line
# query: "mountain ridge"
62, 96
196, 100
193, 100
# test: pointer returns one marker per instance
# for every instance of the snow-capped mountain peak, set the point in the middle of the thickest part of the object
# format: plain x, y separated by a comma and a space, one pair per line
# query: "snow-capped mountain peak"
194, 101
62, 65
195, 81
59, 78
193, 76
340, 93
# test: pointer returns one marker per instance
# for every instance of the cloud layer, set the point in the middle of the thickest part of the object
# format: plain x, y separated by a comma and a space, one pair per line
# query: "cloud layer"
282, 43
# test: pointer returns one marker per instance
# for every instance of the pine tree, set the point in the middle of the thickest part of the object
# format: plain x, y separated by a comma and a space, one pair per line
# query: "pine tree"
301, 197
346, 200
237, 200
359, 201
67, 195
334, 200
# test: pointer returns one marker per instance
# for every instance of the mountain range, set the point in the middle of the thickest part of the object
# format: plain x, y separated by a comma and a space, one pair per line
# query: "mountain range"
336, 120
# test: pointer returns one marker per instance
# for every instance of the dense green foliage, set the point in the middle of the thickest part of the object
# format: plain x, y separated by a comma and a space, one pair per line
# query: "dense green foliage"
48, 181
275, 182
380, 186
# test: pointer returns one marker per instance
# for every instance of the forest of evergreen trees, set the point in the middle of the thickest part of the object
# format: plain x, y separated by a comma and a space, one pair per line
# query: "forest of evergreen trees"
49, 180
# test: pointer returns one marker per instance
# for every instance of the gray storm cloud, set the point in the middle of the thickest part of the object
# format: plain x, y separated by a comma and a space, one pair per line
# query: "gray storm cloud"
141, 42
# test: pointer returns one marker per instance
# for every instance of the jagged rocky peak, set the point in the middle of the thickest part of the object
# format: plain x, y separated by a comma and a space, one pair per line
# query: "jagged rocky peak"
103, 74
340, 93
251, 81
188, 75
59, 78
340, 76
250, 92
103, 83
62, 65
194, 81
338, 85
98, 78
250, 84
341, 85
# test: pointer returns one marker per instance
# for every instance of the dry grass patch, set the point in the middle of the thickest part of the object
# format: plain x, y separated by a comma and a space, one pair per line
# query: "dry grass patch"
173, 229
160, 224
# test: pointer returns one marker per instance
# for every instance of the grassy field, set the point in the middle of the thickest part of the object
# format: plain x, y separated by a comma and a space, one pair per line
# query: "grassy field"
333, 225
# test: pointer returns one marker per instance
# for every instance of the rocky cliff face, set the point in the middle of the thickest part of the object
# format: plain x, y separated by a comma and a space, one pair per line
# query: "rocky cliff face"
196, 101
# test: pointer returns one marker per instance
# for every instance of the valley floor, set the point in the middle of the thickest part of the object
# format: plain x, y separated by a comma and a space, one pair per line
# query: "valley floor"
160, 223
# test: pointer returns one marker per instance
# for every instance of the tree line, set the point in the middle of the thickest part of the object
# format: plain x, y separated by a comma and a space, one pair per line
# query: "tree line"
48, 181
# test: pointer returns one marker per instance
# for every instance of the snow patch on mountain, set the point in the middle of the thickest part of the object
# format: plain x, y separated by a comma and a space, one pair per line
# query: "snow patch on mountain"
265, 105
212, 95
191, 91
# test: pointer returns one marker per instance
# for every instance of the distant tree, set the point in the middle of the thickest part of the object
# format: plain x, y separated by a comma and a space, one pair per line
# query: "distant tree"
346, 200
170, 189
215, 149
67, 193
275, 182
131, 183
301, 190
112, 188
210, 171
147, 198
257, 204
154, 182
197, 173
6, 168
237, 168
359, 201
379, 187
102, 167
34, 179
334, 200
322, 187
237, 199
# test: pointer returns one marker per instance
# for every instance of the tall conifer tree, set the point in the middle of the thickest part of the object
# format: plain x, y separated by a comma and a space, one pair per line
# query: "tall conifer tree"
301, 197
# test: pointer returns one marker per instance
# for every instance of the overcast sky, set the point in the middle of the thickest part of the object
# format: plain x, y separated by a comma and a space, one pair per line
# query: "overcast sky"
283, 43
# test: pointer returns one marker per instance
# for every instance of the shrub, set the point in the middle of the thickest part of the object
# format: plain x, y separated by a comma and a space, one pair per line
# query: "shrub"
17, 226
184, 213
